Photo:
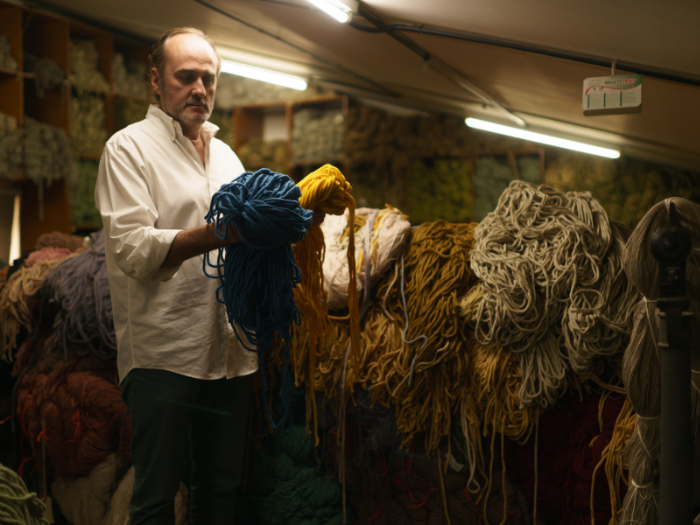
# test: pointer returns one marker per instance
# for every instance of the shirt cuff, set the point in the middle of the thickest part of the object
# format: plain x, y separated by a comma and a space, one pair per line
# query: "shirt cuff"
148, 256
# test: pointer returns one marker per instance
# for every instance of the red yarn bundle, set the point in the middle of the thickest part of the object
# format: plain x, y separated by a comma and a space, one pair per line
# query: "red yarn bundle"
571, 441
80, 416
407, 489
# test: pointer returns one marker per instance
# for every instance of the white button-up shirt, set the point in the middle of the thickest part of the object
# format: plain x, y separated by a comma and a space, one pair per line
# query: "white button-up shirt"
151, 185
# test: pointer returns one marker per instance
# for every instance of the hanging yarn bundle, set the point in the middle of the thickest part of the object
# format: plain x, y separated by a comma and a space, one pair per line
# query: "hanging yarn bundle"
130, 77
258, 275
84, 61
328, 191
553, 289
7, 61
10, 147
317, 136
82, 204
17, 505
87, 124
47, 73
382, 236
18, 298
80, 288
414, 350
642, 361
48, 155
79, 415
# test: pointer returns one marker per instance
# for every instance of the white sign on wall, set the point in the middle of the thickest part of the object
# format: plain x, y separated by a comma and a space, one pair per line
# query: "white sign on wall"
612, 95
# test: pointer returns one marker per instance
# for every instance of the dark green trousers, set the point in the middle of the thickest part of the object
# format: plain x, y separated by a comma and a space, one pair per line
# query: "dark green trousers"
166, 408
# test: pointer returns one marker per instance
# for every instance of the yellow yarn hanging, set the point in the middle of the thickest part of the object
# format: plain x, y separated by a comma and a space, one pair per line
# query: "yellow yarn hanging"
327, 190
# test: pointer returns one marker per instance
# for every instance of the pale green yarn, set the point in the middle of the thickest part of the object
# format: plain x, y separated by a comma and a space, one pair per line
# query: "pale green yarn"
17, 505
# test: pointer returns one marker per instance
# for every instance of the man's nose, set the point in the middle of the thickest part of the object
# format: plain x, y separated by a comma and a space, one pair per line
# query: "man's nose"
198, 88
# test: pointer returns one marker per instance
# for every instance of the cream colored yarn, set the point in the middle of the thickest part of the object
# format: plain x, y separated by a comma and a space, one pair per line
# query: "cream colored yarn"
388, 236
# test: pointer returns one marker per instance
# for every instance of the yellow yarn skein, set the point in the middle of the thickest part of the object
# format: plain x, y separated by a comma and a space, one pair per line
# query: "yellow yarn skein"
327, 190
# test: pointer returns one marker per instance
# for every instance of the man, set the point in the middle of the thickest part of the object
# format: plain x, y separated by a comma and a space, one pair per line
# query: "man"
154, 187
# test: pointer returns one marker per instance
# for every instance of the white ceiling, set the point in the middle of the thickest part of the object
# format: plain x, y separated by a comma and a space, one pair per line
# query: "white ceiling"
544, 91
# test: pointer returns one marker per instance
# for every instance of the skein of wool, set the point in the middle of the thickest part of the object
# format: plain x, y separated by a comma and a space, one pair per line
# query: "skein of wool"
7, 61
86, 500
386, 238
18, 298
59, 240
17, 505
414, 348
84, 61
79, 415
80, 287
641, 364
47, 73
10, 147
554, 293
326, 190
258, 275
414, 489
572, 438
284, 485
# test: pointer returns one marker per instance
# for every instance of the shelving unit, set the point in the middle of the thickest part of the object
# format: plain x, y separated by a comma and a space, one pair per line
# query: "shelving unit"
249, 122
47, 35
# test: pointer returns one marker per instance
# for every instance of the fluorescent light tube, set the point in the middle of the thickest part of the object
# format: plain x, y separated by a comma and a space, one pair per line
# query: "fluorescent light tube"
265, 75
340, 15
543, 139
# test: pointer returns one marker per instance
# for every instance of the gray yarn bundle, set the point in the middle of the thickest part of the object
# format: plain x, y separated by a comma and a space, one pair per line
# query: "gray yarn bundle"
317, 136
10, 146
87, 130
80, 288
7, 61
84, 61
554, 292
48, 155
130, 77
642, 361
48, 74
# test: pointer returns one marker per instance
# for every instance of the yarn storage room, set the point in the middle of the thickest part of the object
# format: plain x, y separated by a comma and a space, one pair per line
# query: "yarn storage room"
324, 262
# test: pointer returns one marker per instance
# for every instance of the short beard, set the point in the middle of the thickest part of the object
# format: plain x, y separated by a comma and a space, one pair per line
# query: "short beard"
178, 112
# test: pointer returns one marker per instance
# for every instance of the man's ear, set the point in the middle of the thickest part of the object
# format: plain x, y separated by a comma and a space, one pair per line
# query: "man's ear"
155, 81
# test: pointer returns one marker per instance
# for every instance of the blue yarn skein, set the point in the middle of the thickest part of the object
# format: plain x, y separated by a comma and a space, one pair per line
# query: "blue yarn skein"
257, 276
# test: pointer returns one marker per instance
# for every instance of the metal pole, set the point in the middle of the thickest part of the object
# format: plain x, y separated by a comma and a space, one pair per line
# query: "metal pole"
671, 246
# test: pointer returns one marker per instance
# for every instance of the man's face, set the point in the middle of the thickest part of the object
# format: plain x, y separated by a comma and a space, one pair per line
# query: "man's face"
187, 85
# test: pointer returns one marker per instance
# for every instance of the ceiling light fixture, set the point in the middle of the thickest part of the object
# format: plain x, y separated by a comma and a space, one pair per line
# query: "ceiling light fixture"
264, 75
541, 138
341, 11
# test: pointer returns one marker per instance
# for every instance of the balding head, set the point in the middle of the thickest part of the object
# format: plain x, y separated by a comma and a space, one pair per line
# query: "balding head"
159, 56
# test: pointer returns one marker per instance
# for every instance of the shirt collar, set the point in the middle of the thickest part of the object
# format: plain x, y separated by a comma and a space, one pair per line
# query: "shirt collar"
172, 127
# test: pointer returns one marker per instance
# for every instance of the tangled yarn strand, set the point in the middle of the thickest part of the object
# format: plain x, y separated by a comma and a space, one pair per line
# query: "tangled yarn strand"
257, 276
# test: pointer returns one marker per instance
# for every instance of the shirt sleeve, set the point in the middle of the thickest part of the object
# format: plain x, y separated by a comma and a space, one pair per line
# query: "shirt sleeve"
129, 215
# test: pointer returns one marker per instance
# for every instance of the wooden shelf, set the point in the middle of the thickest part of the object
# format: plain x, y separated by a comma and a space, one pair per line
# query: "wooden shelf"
47, 35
